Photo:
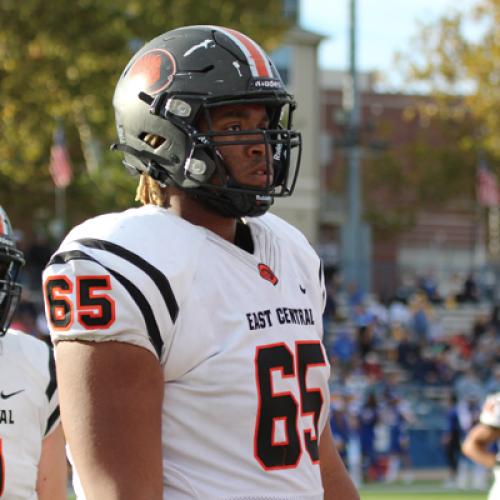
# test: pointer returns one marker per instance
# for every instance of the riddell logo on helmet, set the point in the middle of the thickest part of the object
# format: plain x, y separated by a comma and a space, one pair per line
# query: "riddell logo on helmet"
277, 154
267, 84
266, 273
156, 68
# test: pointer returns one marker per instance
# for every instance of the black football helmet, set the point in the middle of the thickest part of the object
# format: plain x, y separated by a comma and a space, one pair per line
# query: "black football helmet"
11, 261
173, 82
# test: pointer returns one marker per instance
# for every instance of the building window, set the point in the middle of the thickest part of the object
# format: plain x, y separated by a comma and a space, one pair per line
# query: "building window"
282, 59
291, 10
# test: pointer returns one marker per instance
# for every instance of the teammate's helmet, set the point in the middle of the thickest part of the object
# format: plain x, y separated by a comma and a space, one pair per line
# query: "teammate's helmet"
171, 83
11, 261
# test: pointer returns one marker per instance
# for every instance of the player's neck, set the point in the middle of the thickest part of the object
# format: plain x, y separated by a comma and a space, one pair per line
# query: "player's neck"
192, 211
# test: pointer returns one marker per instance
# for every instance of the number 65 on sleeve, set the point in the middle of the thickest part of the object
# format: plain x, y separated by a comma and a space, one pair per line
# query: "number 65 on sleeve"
92, 308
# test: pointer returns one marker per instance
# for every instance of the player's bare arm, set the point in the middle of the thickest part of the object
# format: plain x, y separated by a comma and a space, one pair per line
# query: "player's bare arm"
476, 444
111, 396
52, 469
336, 481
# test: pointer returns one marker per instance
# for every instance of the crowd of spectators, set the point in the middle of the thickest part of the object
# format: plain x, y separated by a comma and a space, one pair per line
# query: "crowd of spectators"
386, 359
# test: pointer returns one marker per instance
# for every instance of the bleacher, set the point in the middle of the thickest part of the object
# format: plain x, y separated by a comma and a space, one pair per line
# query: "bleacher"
428, 402
460, 319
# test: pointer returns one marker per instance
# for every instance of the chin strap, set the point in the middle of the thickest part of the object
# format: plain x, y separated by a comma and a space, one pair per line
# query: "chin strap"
232, 204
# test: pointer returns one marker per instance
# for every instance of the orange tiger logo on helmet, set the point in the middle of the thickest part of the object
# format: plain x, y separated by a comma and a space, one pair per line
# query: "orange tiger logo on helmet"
157, 69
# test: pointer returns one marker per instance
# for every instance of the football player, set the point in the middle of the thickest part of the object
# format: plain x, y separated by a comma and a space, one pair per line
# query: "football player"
481, 442
32, 455
188, 332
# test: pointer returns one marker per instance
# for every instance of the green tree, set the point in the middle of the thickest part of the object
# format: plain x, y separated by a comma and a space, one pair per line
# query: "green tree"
455, 60
458, 57
432, 171
59, 63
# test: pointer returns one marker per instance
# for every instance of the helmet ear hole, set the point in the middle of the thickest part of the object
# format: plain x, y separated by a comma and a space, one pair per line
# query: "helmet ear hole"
152, 140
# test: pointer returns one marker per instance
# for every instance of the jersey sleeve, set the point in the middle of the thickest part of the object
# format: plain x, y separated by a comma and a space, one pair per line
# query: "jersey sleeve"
490, 413
97, 297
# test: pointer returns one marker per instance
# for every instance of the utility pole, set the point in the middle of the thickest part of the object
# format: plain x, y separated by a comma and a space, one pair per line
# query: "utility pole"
355, 265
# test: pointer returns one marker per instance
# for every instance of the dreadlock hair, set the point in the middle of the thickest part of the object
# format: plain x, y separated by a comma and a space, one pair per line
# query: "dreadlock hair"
149, 192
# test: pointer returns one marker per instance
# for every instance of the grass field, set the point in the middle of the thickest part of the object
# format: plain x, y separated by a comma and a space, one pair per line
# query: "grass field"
401, 495
455, 495
424, 490
415, 494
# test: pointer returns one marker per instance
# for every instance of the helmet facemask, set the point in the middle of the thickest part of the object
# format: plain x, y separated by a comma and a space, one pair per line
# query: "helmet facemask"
10, 289
222, 191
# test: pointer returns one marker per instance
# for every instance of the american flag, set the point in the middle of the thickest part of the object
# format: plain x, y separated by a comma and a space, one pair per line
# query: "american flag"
487, 188
60, 165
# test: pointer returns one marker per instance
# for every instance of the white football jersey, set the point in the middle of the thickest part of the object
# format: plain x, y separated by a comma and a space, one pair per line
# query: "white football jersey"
29, 411
238, 336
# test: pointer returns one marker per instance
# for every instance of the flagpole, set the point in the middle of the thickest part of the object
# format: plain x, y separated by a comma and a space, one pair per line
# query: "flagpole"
60, 211
494, 232
477, 237
61, 172
480, 237
489, 197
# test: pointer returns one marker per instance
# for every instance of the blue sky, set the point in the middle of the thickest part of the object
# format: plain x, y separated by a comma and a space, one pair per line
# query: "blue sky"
384, 27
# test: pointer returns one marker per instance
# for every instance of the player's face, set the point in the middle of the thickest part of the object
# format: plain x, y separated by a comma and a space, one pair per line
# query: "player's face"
246, 163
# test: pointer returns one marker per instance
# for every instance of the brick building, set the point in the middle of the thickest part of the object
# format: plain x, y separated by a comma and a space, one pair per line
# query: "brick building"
443, 242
